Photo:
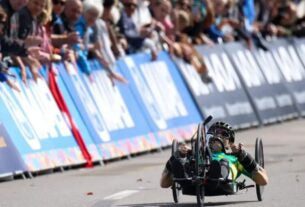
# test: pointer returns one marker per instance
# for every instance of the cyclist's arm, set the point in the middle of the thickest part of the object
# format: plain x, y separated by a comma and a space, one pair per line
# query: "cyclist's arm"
166, 179
250, 166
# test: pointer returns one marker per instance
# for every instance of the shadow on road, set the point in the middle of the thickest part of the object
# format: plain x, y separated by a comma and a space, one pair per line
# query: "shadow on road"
185, 204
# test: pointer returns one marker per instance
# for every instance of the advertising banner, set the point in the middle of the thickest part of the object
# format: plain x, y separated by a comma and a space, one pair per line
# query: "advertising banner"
225, 98
10, 158
162, 95
271, 99
110, 113
38, 129
95, 153
292, 69
299, 45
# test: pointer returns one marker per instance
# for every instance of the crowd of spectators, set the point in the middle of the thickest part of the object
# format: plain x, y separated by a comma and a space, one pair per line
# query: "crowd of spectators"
34, 33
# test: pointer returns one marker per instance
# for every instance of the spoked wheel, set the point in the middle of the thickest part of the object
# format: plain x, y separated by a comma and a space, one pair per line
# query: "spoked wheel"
175, 187
259, 158
198, 165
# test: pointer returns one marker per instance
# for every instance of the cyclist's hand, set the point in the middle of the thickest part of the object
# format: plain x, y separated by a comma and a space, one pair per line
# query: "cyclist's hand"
236, 149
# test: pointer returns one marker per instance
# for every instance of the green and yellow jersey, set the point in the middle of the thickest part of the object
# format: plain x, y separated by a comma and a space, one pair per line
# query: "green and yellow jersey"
236, 169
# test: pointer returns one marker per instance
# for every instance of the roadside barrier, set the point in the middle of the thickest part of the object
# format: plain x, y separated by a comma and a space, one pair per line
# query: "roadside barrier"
71, 118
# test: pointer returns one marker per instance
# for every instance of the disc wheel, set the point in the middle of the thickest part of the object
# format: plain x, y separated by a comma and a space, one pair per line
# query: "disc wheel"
259, 158
175, 187
198, 165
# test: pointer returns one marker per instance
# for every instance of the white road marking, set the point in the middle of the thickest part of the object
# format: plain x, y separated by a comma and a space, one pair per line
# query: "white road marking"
121, 195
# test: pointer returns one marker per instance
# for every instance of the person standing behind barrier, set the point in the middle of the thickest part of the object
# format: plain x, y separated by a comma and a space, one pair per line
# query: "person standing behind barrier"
60, 42
217, 31
9, 44
177, 41
102, 43
286, 22
62, 33
72, 13
3, 66
137, 40
32, 19
91, 13
109, 20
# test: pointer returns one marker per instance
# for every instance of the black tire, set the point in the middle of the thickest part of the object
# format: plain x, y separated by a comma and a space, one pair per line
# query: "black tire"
198, 150
176, 192
200, 195
259, 158
174, 148
198, 160
175, 187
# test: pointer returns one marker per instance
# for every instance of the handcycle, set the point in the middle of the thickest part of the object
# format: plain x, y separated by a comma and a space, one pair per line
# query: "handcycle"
197, 180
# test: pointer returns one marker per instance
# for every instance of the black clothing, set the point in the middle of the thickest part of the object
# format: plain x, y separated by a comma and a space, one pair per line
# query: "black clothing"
10, 45
26, 25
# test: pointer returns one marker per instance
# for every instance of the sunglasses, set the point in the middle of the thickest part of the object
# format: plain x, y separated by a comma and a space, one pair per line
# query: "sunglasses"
130, 5
61, 2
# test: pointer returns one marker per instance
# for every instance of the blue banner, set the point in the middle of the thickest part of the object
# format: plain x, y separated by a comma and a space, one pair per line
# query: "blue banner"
272, 100
110, 113
292, 69
10, 158
38, 128
162, 95
93, 150
225, 98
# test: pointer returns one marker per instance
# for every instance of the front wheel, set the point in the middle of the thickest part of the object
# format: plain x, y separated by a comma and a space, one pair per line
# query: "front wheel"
200, 195
259, 158
176, 191
175, 187
199, 166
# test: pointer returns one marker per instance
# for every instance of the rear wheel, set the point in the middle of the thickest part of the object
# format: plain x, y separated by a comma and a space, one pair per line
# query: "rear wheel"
259, 158
200, 195
198, 167
175, 187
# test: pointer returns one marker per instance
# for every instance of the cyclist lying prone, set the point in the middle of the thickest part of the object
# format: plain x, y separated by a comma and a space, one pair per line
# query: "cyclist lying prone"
228, 166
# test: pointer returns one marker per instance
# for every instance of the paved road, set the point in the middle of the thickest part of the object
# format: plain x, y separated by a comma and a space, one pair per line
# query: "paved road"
135, 182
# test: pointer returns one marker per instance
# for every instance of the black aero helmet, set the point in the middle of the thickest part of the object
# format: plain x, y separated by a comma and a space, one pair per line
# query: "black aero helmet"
228, 130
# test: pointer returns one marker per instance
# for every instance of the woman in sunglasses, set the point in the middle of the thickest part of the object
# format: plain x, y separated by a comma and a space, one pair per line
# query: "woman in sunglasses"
224, 164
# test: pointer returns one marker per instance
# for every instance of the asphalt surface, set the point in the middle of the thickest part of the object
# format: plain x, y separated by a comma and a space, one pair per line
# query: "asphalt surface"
135, 182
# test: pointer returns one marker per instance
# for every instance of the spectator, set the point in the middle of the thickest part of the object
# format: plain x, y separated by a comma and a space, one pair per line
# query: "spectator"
31, 21
215, 31
68, 34
9, 44
161, 11
142, 15
179, 44
84, 26
201, 17
57, 10
107, 17
3, 66
137, 40
63, 29
287, 23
